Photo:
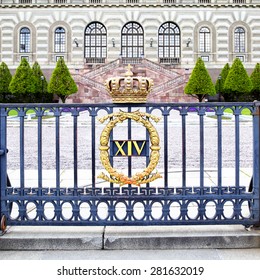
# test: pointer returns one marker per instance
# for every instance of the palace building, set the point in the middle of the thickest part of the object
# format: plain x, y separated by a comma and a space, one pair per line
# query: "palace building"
161, 39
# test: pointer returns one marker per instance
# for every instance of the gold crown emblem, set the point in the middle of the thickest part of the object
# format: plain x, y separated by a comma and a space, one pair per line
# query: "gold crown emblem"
129, 89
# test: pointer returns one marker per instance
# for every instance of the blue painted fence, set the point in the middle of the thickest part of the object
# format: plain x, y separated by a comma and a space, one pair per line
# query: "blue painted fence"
90, 201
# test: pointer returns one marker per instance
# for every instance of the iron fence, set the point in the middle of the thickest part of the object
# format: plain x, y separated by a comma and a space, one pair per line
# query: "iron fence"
42, 143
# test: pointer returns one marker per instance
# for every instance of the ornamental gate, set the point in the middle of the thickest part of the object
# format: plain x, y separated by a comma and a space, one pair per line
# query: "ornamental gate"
143, 164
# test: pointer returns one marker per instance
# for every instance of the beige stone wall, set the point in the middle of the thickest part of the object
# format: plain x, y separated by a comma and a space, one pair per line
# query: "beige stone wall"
42, 20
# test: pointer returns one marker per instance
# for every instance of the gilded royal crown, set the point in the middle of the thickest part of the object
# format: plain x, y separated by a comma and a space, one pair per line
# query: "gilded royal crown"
129, 89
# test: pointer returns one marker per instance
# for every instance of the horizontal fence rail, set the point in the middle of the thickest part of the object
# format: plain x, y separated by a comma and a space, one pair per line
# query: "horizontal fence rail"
52, 155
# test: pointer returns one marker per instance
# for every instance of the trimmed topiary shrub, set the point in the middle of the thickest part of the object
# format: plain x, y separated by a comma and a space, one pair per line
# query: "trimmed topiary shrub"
255, 79
22, 85
238, 85
200, 83
61, 82
5, 79
219, 86
41, 85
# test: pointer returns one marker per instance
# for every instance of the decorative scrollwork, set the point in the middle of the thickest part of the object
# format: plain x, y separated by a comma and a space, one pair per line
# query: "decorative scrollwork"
139, 178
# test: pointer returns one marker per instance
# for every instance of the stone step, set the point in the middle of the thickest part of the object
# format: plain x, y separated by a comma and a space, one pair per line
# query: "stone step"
165, 81
23, 238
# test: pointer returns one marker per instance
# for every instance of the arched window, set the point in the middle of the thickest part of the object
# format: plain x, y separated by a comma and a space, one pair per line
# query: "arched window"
169, 43
59, 40
95, 43
25, 40
239, 40
132, 40
204, 40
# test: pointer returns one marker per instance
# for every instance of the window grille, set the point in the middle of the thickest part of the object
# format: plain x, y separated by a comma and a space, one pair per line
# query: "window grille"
204, 39
59, 40
132, 40
169, 1
95, 42
204, 1
205, 58
25, 1
60, 1
25, 57
57, 57
173, 60
94, 60
95, 1
239, 1
241, 57
169, 41
239, 40
25, 40
132, 1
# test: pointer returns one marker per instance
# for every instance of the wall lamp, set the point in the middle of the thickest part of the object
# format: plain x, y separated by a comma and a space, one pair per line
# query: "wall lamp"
76, 42
113, 42
151, 42
188, 42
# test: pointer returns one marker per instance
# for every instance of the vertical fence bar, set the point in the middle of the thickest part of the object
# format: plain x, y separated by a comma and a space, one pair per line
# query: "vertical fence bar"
40, 210
3, 160
57, 134
183, 116
129, 135
39, 114
111, 158
219, 114
93, 115
22, 116
57, 114
237, 152
75, 148
256, 162
147, 136
201, 117
165, 138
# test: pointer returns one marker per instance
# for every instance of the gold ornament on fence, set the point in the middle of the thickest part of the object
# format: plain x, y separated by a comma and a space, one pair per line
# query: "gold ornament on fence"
146, 175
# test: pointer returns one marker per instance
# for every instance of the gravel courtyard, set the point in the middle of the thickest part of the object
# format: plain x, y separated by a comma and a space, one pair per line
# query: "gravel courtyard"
120, 133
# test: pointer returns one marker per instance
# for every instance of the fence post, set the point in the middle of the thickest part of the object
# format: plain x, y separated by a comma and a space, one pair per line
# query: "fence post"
256, 161
3, 171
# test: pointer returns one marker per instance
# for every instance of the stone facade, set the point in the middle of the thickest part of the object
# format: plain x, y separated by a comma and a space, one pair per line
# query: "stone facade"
216, 30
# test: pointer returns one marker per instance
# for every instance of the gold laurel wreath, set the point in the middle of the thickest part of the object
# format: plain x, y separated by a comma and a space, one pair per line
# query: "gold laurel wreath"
139, 178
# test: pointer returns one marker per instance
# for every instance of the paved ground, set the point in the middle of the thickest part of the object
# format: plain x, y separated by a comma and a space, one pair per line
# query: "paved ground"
191, 254
175, 177
122, 243
138, 132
